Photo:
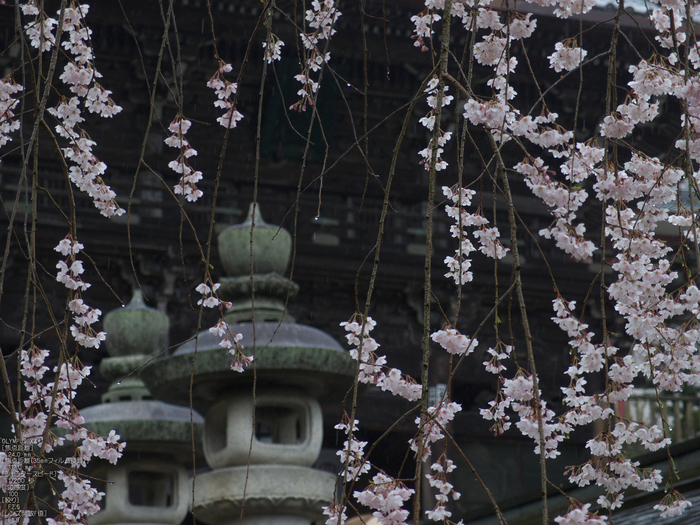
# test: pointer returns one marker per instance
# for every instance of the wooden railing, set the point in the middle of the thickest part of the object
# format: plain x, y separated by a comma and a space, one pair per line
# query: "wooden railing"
680, 412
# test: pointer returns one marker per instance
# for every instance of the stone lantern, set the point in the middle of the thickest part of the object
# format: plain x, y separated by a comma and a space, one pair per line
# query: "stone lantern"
263, 428
149, 484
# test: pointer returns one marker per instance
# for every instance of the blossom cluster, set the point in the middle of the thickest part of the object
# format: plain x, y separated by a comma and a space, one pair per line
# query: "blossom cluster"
336, 513
564, 201
352, 454
386, 495
229, 339
438, 417
372, 365
69, 274
51, 403
661, 18
434, 424
423, 27
504, 122
490, 245
273, 49
320, 18
79, 499
224, 90
637, 196
444, 489
189, 177
80, 76
497, 407
581, 515
428, 122
519, 395
8, 124
40, 28
566, 57
453, 342
617, 472
673, 504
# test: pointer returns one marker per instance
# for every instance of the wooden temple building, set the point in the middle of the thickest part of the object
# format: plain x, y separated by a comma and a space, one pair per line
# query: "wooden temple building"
331, 205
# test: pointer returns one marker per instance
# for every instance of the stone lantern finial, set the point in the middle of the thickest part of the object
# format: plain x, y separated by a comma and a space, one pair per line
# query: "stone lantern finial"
135, 333
136, 328
271, 252
272, 246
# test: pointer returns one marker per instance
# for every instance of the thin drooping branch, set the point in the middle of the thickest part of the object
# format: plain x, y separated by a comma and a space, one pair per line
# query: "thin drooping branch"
427, 276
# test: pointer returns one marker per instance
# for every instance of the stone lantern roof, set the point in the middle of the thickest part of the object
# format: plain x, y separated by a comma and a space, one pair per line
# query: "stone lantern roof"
137, 335
286, 353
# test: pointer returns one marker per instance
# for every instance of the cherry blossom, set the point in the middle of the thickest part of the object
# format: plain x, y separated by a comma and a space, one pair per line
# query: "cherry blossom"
79, 499
444, 489
352, 456
224, 90
423, 28
429, 122
8, 124
673, 504
372, 366
336, 514
189, 177
581, 516
566, 174
273, 49
40, 28
69, 274
80, 76
489, 238
320, 20
229, 339
491, 50
522, 26
438, 417
454, 342
566, 57
387, 496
